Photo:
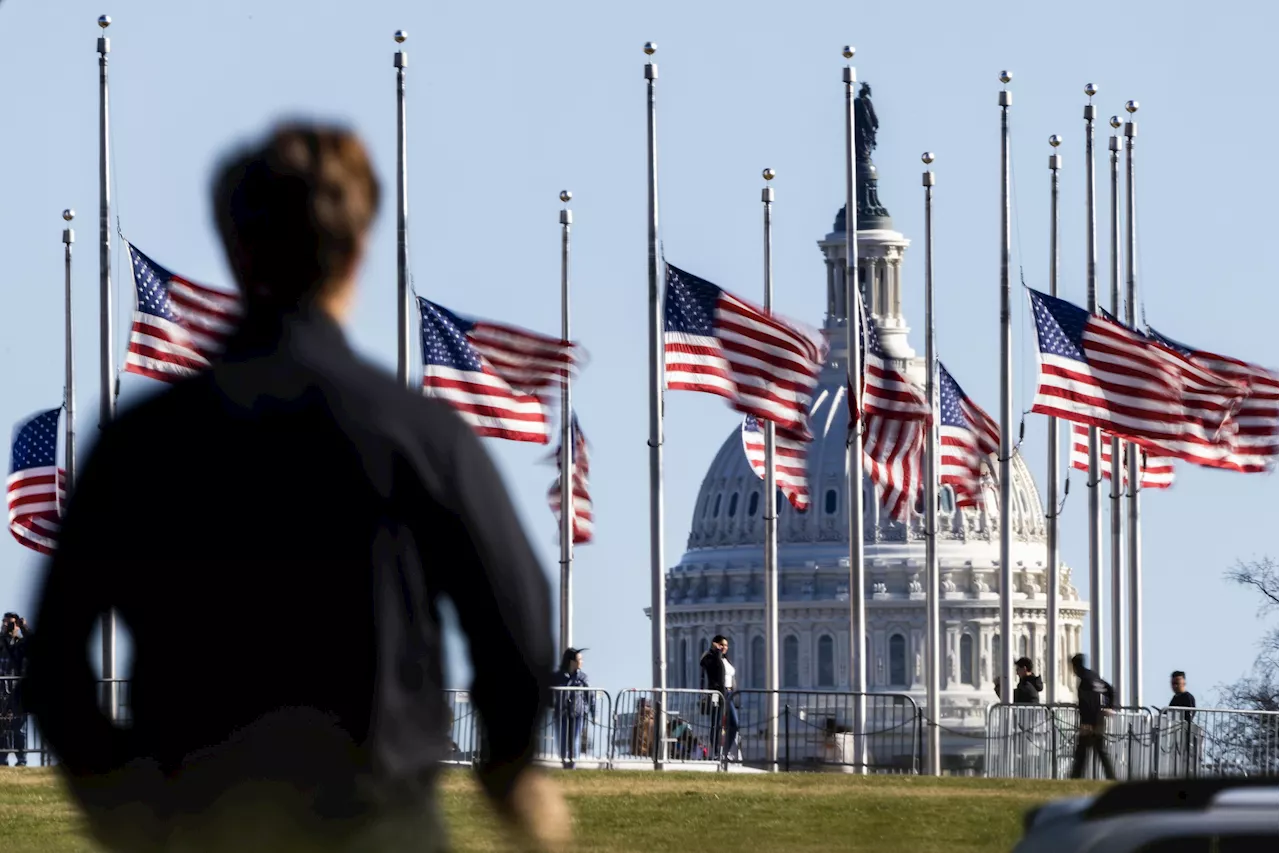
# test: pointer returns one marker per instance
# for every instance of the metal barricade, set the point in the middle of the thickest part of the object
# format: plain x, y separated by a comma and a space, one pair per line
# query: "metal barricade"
1039, 742
464, 729
695, 721
815, 730
577, 728
1199, 742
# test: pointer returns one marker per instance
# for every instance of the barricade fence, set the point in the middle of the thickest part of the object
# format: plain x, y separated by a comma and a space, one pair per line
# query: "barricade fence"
816, 730
589, 728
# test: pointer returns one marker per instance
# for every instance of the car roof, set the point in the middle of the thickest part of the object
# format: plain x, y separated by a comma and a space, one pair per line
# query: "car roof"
1175, 794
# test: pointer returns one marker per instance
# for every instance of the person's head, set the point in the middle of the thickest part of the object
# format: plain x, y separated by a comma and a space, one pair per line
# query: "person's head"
294, 212
1077, 664
1178, 681
9, 626
1023, 667
571, 660
721, 642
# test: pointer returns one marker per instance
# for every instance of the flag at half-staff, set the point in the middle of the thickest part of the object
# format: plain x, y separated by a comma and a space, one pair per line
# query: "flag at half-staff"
178, 326
36, 488
1096, 372
791, 465
580, 464
1157, 471
1257, 437
896, 420
967, 436
496, 376
716, 343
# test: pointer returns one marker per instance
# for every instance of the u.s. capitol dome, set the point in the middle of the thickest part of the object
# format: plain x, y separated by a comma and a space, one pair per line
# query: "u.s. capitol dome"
718, 585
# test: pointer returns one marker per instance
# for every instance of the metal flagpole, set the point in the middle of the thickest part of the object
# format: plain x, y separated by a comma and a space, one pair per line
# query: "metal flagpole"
402, 218
106, 353
853, 452
568, 446
933, 615
658, 606
1095, 468
1117, 461
1051, 553
1135, 530
770, 510
1006, 411
69, 393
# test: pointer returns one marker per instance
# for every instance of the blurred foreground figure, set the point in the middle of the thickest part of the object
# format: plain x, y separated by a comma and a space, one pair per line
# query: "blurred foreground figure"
277, 534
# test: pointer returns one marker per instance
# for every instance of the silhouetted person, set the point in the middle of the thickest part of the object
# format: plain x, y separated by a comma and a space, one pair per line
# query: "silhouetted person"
14, 638
1094, 701
277, 534
1182, 697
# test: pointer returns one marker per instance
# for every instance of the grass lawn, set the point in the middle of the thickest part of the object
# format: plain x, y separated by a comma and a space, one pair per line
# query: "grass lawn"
652, 813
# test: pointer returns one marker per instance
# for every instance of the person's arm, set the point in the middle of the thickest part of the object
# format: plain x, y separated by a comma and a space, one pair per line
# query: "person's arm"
503, 602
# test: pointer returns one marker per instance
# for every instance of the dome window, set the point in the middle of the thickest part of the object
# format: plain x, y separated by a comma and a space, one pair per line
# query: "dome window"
831, 502
966, 660
715, 513
733, 505
753, 504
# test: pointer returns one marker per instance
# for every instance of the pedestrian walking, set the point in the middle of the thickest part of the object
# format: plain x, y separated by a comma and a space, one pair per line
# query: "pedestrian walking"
276, 533
1095, 699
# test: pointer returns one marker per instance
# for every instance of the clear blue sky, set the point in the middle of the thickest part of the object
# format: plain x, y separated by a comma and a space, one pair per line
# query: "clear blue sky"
510, 103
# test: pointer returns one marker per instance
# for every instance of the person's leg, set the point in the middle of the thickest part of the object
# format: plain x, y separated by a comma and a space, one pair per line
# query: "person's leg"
1077, 768
730, 727
20, 741
562, 737
575, 748
717, 717
1100, 749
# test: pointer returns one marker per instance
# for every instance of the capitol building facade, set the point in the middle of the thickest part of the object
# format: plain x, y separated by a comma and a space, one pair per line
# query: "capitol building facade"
718, 585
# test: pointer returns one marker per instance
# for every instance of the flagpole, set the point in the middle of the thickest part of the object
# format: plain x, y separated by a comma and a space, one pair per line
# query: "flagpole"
567, 444
1095, 467
69, 392
1117, 462
933, 615
658, 621
402, 218
770, 509
1051, 550
853, 452
1006, 411
106, 353
1135, 480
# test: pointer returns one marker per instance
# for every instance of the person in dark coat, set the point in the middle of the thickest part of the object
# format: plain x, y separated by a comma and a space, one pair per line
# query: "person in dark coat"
718, 675
574, 703
277, 534
1182, 697
1029, 686
1095, 699
14, 636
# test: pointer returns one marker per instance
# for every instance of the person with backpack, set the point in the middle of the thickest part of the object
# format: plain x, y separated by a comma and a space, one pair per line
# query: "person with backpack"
1095, 701
574, 703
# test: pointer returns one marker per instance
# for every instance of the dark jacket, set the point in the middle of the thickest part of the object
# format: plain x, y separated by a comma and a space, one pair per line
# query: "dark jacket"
1028, 690
1184, 700
712, 666
1093, 695
277, 534
577, 702
13, 665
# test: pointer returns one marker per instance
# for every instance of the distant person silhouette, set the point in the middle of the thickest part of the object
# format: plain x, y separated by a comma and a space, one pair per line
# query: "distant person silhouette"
277, 534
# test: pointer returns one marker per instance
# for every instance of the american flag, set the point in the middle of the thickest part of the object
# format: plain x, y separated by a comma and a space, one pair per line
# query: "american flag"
1096, 372
1258, 419
34, 501
492, 374
966, 435
790, 460
1157, 471
583, 518
895, 427
178, 326
763, 364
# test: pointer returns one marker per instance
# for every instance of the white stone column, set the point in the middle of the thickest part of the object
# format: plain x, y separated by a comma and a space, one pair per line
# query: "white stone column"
897, 287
